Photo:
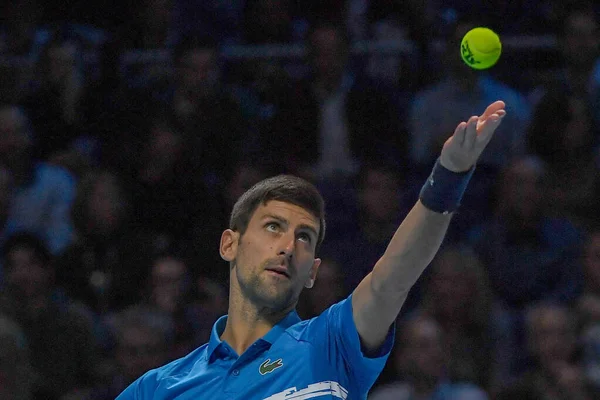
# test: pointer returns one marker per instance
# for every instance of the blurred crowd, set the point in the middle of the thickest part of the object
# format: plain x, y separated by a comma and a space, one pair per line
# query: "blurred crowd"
128, 129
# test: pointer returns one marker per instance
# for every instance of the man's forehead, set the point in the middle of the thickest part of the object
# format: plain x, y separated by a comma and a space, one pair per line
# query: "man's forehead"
286, 210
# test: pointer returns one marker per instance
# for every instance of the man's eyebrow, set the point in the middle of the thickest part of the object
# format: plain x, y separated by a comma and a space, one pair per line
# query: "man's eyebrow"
276, 217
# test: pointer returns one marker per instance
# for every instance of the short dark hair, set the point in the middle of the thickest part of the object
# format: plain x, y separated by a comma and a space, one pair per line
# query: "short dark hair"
287, 188
29, 241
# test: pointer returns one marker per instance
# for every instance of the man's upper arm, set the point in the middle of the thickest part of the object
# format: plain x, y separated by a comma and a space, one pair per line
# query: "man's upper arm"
373, 316
344, 345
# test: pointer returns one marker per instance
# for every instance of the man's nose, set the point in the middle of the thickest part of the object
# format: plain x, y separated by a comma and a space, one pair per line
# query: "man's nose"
287, 245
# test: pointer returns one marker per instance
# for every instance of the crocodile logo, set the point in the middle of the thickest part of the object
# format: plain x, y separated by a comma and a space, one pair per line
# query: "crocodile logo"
267, 366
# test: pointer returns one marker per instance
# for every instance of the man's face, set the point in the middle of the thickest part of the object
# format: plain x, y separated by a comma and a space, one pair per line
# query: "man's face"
275, 258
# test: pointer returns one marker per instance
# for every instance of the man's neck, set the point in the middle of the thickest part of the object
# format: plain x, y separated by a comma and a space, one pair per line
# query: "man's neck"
246, 323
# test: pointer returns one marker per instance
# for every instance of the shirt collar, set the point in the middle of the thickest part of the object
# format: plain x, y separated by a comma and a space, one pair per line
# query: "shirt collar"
218, 328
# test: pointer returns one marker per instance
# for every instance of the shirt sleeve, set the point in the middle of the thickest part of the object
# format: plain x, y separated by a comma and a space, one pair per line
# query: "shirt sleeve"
345, 350
141, 389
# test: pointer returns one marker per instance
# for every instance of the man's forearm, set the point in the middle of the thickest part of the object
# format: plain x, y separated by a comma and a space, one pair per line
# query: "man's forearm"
411, 249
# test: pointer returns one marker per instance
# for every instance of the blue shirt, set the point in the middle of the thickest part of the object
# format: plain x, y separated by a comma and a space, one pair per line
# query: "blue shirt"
317, 358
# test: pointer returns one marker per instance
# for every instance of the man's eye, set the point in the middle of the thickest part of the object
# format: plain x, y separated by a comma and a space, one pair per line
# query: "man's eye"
305, 237
272, 227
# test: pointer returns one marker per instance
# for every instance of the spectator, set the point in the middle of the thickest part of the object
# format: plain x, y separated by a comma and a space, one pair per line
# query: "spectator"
60, 337
419, 363
458, 296
565, 136
529, 256
365, 227
43, 193
333, 120
210, 119
167, 190
16, 373
578, 73
143, 338
110, 251
54, 105
170, 290
556, 372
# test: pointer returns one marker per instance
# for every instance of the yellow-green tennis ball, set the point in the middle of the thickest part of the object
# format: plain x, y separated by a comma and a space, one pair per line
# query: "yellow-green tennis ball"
480, 48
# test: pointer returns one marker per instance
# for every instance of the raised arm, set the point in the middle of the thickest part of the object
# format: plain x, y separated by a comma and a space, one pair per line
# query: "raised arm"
378, 299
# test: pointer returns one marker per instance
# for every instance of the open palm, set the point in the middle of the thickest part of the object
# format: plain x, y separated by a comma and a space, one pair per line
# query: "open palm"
463, 148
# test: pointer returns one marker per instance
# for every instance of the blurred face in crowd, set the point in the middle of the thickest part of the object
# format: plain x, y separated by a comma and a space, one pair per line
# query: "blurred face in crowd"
198, 71
452, 286
26, 274
275, 257
164, 146
168, 283
522, 190
61, 62
15, 140
551, 335
379, 196
578, 133
581, 42
421, 356
139, 350
105, 204
591, 261
329, 54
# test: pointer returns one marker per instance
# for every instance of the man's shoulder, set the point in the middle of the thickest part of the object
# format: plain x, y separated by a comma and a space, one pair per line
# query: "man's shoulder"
305, 330
180, 367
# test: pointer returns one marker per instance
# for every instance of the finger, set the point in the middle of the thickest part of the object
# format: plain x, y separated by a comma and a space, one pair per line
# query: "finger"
471, 133
493, 108
459, 134
486, 131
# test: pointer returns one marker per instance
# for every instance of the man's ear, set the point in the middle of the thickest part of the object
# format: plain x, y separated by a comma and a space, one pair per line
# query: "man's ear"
229, 245
313, 274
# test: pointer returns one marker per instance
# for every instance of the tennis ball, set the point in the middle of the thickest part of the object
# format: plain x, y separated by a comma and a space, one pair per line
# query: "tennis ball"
480, 48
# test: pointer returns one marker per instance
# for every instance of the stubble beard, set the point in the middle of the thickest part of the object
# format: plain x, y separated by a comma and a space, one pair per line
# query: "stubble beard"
264, 293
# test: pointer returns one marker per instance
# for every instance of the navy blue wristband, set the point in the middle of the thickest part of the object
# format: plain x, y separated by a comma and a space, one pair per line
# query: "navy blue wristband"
444, 189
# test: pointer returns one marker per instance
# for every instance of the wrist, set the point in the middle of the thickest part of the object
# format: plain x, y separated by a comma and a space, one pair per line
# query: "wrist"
444, 189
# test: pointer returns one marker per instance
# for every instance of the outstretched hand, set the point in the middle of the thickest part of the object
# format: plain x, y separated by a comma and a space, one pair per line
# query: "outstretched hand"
463, 148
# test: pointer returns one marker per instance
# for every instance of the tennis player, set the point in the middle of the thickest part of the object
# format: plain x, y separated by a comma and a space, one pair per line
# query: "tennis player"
261, 349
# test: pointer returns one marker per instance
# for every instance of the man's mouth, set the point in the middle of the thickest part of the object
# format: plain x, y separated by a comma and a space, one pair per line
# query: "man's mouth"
280, 270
